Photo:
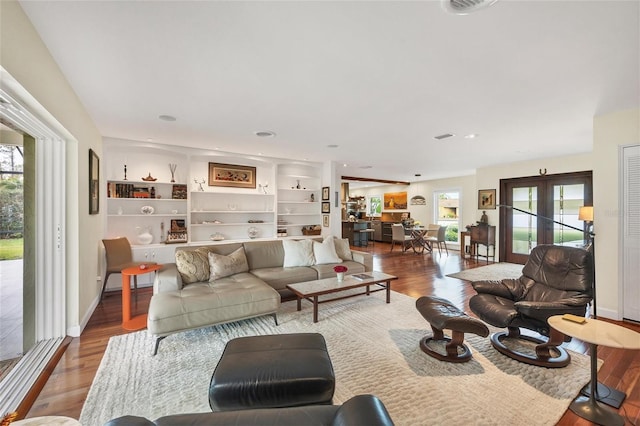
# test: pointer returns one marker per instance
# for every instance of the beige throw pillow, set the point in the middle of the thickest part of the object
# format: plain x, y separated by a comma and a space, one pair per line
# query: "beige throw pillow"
298, 253
222, 266
193, 266
342, 248
325, 252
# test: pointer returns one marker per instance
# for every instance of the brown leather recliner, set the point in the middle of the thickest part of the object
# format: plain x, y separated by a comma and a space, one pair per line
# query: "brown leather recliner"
556, 280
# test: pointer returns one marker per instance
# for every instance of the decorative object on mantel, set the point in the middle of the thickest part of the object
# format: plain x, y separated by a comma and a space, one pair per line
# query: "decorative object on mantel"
144, 235
179, 192
199, 182
149, 178
484, 218
311, 230
418, 200
147, 210
232, 175
216, 237
172, 168
264, 187
252, 232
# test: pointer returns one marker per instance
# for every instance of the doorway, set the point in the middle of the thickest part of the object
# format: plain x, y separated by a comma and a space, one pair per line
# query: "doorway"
12, 243
537, 202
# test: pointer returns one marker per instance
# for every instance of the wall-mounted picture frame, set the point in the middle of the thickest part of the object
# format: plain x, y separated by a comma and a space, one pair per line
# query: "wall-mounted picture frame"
395, 200
94, 182
325, 193
375, 206
232, 175
326, 207
325, 220
487, 199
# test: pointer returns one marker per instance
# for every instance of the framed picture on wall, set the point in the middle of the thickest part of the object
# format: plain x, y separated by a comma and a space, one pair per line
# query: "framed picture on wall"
487, 199
326, 207
325, 220
94, 182
232, 175
325, 193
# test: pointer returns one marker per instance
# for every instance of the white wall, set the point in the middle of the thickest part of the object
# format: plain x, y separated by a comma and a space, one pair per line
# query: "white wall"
26, 58
609, 133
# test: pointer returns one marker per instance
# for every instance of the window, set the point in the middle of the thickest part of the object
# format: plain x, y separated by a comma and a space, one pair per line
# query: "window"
447, 212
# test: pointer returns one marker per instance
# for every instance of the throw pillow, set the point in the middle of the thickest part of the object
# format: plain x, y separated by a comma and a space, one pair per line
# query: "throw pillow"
342, 248
325, 252
298, 253
222, 266
193, 265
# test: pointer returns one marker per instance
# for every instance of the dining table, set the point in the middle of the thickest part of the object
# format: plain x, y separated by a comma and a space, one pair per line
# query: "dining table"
420, 244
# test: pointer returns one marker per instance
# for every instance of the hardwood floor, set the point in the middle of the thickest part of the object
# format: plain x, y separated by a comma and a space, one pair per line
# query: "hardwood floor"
69, 383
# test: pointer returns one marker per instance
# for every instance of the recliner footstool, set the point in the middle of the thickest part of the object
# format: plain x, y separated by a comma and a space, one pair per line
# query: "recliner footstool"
442, 314
274, 371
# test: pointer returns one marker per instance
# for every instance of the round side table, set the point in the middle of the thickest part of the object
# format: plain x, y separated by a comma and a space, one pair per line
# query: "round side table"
139, 322
596, 332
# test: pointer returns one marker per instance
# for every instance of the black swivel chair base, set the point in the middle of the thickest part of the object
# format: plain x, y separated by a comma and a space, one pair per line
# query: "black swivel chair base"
547, 354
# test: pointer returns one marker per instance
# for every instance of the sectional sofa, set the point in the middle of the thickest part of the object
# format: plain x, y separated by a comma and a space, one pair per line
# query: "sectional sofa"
221, 283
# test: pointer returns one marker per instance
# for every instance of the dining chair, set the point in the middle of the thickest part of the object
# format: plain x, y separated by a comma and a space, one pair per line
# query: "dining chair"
398, 236
119, 257
439, 238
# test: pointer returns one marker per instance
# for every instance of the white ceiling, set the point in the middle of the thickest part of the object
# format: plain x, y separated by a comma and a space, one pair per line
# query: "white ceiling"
379, 79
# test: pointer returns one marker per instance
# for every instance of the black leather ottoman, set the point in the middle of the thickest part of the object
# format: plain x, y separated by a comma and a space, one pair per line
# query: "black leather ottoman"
283, 370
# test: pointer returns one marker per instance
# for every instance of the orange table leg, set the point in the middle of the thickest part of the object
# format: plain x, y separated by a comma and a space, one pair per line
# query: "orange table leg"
128, 323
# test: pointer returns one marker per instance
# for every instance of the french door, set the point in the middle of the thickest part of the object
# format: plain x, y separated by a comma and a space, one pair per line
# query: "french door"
534, 205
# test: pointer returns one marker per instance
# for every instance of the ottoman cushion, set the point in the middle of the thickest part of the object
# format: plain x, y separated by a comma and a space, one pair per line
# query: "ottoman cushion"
272, 371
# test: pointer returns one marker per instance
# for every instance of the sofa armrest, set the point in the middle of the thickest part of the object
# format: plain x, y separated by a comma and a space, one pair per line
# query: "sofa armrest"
362, 410
363, 257
167, 279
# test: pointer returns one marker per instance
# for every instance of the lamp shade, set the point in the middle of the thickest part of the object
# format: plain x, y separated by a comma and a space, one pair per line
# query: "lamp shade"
586, 213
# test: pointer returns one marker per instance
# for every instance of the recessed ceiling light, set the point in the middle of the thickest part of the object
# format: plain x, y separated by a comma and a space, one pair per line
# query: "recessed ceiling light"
471, 136
345, 165
444, 136
332, 146
167, 117
265, 133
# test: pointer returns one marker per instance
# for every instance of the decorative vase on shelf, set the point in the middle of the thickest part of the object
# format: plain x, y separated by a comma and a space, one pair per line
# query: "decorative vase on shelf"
340, 276
144, 235
253, 232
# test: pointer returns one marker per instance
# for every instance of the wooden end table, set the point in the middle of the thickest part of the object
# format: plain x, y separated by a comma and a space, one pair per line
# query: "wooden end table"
596, 332
311, 290
139, 322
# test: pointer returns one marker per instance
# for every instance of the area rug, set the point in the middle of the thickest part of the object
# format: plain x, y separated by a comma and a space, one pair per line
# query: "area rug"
374, 349
495, 271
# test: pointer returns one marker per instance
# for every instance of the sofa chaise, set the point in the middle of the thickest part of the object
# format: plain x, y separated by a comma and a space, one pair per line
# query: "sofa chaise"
220, 283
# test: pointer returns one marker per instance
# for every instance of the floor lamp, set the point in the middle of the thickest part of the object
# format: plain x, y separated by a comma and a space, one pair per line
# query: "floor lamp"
585, 214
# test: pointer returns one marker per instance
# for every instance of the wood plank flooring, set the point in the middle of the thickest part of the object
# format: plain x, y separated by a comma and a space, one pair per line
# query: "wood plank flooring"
69, 383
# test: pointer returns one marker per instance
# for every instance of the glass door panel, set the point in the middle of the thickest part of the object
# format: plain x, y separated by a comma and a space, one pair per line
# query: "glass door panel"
525, 229
567, 200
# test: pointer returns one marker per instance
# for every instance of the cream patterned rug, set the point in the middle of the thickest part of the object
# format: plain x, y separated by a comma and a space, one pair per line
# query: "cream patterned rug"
374, 349
495, 271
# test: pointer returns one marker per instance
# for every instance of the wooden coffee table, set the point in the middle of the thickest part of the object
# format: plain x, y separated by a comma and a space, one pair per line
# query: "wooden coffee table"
311, 290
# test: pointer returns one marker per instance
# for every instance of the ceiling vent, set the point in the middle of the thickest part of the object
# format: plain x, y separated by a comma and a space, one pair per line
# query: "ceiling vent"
444, 136
464, 7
